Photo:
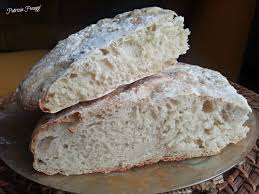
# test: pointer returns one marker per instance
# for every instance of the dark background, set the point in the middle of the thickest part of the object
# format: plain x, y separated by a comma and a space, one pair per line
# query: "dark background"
223, 32
249, 74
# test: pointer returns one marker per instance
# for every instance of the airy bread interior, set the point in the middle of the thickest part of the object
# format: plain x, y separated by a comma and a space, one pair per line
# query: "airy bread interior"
135, 132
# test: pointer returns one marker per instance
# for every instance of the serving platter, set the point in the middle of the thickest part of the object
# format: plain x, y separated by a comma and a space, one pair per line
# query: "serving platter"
15, 130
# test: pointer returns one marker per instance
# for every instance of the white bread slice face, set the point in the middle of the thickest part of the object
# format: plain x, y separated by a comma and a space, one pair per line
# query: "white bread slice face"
103, 56
181, 113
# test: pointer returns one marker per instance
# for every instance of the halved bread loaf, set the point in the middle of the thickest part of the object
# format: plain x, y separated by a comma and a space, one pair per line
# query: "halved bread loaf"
186, 111
103, 56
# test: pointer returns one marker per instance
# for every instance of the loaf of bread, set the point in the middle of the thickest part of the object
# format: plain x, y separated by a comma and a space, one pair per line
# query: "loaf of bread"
103, 56
183, 112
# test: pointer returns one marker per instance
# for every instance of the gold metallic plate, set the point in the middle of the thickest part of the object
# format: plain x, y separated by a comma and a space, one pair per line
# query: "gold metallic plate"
15, 131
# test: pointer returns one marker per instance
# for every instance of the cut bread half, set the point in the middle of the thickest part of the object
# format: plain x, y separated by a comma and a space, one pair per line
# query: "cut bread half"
184, 112
103, 56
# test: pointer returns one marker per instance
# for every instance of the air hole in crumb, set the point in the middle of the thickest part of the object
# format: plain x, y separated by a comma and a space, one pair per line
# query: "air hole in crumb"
104, 51
227, 107
96, 146
174, 102
194, 107
99, 116
217, 123
225, 115
207, 106
73, 75
207, 131
41, 161
177, 122
83, 136
107, 63
45, 143
169, 106
91, 75
165, 129
65, 146
134, 111
202, 81
200, 143
98, 83
51, 95
152, 28
153, 115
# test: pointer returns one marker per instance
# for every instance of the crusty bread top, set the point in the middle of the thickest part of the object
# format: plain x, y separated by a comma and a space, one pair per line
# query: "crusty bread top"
180, 79
71, 52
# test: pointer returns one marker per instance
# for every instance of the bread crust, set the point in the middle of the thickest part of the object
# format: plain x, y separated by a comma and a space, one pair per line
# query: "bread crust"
144, 163
147, 162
